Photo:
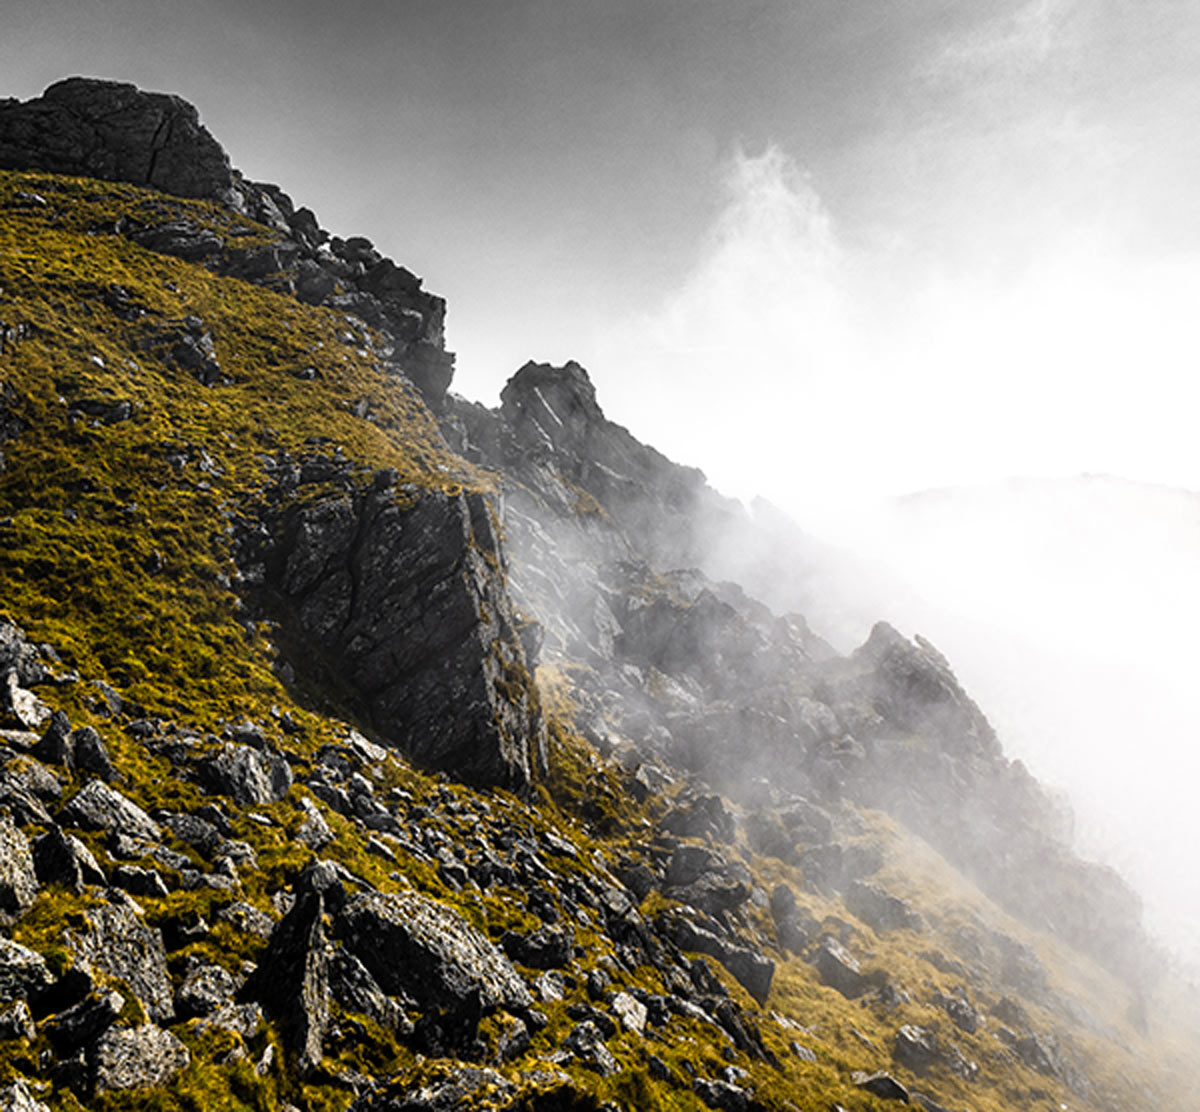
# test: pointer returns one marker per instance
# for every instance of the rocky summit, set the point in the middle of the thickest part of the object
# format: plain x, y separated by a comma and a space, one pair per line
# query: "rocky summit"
365, 747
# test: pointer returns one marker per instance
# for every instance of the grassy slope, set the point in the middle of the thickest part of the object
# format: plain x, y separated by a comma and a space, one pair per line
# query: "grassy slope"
86, 507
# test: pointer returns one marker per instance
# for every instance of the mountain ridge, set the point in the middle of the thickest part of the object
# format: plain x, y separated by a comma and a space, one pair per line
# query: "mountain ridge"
357, 671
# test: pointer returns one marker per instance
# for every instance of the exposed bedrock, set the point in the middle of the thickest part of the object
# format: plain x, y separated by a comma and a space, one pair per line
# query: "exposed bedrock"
405, 603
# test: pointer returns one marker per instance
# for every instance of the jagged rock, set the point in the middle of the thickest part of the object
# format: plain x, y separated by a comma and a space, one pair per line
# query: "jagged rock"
17, 1023
247, 774
882, 1085
586, 1043
56, 745
21, 706
545, 948
355, 990
753, 971
91, 754
839, 969
314, 831
204, 989
631, 1012
959, 1009
23, 972
32, 776
18, 880
879, 909
84, 1022
16, 1097
915, 1048
464, 1089
138, 881
116, 941
425, 950
238, 1019
61, 858
247, 919
721, 1095
136, 1058
110, 130
410, 604
292, 978
18, 656
98, 807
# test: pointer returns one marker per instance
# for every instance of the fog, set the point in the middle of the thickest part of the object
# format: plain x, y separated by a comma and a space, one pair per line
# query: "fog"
1005, 337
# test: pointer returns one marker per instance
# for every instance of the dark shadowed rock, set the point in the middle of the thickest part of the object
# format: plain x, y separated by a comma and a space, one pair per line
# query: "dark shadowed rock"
410, 606
882, 1085
586, 1043
110, 130
915, 1048
136, 1058
61, 858
91, 754
83, 1022
721, 1095
838, 968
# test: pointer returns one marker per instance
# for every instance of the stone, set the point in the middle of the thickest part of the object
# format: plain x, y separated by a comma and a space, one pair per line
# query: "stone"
84, 1022
247, 774
91, 754
456, 1089
61, 858
136, 1058
915, 1048
313, 831
632, 1013
839, 969
22, 706
139, 882
116, 941
879, 909
586, 1043
291, 981
111, 130
16, 1097
23, 972
17, 1023
99, 807
425, 950
56, 745
18, 879
545, 948
721, 1095
882, 1085
205, 988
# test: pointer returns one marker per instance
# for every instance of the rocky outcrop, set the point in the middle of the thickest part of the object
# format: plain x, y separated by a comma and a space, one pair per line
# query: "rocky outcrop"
111, 130
405, 594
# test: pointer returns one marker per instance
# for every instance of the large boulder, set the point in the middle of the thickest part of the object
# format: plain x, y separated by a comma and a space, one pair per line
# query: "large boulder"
425, 950
18, 879
111, 130
136, 1058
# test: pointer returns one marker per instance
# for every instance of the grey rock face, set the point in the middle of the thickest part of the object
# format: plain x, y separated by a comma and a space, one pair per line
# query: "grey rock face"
136, 1058
16, 1097
410, 605
427, 951
110, 130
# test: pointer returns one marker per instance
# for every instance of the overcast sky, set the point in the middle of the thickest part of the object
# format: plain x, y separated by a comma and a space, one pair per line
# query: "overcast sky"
827, 250
963, 233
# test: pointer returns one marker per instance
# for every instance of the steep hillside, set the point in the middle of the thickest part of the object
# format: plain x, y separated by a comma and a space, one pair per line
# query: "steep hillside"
364, 747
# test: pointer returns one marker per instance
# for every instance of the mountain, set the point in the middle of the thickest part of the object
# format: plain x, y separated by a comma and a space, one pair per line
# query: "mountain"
367, 747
